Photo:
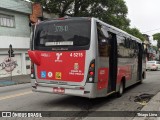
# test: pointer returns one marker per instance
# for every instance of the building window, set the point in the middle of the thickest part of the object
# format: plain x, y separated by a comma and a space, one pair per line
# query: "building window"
27, 58
7, 21
28, 67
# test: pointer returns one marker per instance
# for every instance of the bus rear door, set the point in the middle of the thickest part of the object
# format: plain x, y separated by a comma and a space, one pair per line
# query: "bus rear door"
107, 65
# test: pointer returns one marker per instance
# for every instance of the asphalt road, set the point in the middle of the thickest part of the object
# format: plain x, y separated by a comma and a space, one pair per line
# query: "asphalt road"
21, 98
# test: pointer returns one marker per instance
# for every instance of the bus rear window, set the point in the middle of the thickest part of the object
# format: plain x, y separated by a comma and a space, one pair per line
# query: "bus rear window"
67, 34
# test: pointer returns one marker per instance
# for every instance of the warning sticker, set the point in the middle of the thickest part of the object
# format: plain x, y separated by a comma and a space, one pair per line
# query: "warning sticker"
58, 75
43, 74
50, 74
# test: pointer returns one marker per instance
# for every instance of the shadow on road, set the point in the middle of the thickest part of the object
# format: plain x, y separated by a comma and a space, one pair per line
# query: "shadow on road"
85, 104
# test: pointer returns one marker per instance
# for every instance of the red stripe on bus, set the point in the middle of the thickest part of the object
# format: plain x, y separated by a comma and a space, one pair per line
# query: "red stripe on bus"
103, 74
123, 71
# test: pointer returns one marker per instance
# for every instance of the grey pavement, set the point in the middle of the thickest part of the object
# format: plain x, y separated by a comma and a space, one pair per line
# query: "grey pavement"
19, 79
152, 105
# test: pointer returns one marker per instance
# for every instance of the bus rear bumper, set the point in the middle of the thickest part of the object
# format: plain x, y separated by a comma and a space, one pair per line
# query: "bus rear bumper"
83, 91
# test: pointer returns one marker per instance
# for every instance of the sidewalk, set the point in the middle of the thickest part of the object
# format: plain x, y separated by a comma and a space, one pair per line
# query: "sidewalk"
19, 79
153, 105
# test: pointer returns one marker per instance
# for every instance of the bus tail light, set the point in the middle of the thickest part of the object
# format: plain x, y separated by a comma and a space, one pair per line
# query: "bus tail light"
153, 65
91, 72
62, 18
32, 71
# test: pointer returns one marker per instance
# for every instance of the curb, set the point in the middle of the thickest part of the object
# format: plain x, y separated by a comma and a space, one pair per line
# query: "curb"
6, 83
19, 79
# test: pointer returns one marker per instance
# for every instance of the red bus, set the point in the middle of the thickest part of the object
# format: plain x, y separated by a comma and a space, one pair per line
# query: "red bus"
85, 57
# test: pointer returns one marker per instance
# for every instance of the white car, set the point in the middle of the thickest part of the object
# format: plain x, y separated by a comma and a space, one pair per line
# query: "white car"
153, 65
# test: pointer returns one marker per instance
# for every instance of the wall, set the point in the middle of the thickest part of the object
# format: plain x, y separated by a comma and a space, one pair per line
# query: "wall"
20, 62
18, 36
17, 42
16, 5
36, 12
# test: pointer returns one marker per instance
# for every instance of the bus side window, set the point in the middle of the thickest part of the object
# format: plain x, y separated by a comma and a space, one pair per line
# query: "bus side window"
103, 41
121, 44
127, 43
130, 49
144, 52
127, 48
136, 48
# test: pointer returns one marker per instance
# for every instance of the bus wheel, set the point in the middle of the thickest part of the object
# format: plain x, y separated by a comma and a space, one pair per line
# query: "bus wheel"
140, 82
121, 89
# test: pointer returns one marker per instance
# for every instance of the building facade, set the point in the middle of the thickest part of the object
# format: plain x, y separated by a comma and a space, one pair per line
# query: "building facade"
152, 53
14, 30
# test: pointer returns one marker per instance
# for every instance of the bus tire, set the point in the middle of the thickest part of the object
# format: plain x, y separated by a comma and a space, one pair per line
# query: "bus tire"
121, 89
141, 81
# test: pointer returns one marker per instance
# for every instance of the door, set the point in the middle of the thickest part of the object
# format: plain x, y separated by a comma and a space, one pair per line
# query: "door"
107, 63
112, 63
140, 52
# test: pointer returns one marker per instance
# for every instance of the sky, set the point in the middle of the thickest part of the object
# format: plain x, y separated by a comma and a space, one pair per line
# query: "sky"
145, 15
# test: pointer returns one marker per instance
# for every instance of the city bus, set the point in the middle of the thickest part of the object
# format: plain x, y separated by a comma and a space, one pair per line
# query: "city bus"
83, 56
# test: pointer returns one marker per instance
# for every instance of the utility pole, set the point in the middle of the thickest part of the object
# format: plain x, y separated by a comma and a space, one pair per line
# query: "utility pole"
10, 54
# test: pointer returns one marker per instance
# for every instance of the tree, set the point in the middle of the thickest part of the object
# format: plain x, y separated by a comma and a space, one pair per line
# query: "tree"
135, 32
111, 11
155, 48
156, 36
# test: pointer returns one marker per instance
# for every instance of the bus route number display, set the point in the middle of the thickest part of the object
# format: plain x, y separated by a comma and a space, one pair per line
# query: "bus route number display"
61, 28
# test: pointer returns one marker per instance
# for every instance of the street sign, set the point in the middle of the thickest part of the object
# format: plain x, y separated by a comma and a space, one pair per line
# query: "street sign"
10, 51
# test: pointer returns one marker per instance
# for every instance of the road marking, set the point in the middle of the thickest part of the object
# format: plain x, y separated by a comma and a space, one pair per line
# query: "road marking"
15, 95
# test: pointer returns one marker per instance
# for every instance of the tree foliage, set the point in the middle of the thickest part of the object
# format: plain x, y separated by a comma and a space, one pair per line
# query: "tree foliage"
113, 12
156, 36
155, 48
135, 32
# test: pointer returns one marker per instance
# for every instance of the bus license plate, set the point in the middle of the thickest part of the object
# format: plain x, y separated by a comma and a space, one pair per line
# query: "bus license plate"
58, 90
